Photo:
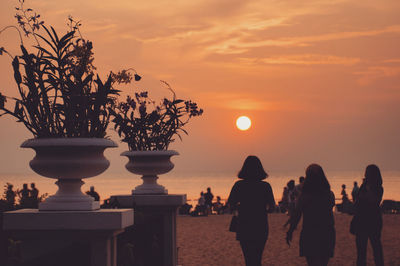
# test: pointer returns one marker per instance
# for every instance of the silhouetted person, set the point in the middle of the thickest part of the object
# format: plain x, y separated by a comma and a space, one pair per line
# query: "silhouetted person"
10, 197
253, 198
345, 198
185, 209
200, 208
288, 197
208, 197
24, 194
369, 217
354, 192
317, 238
93, 194
34, 196
218, 207
346, 205
298, 188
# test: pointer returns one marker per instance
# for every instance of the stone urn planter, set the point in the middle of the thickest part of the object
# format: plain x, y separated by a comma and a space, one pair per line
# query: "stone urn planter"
69, 160
149, 164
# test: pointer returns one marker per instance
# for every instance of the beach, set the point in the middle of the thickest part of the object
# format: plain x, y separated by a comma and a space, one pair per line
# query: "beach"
207, 241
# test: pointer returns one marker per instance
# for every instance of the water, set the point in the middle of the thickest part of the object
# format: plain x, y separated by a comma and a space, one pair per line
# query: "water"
109, 184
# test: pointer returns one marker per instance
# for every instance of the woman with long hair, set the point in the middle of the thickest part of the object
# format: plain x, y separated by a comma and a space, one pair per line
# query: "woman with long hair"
368, 216
317, 237
253, 198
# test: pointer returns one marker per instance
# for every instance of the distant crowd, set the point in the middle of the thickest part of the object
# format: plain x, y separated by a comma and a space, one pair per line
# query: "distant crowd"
28, 198
206, 204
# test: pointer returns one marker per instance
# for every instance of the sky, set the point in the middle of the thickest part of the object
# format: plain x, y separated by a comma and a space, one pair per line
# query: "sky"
320, 80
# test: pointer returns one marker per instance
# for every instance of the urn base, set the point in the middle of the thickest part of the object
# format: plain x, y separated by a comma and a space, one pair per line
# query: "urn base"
69, 206
149, 189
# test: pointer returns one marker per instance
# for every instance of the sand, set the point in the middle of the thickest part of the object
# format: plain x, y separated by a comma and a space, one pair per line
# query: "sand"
206, 241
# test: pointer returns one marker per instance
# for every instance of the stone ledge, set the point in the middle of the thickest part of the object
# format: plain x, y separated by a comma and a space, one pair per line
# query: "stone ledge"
169, 200
33, 219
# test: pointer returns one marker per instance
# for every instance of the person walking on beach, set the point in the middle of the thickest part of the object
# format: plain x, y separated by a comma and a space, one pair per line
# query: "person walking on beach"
253, 198
317, 237
298, 188
368, 216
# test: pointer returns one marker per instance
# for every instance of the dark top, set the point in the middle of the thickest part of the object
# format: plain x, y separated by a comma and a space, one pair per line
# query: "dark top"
208, 198
251, 198
34, 193
367, 210
318, 233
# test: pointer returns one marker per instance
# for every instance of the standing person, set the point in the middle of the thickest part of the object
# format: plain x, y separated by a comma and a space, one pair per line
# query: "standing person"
208, 197
298, 188
24, 196
368, 216
253, 198
346, 205
291, 190
317, 237
354, 192
345, 198
33, 195
10, 197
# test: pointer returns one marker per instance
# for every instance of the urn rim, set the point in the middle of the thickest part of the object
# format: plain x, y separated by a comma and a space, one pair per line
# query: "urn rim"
150, 153
78, 142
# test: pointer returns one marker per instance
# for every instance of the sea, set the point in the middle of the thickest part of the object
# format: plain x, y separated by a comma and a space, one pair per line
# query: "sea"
108, 184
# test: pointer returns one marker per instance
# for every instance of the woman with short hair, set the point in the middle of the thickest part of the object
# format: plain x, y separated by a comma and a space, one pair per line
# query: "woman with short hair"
317, 237
253, 198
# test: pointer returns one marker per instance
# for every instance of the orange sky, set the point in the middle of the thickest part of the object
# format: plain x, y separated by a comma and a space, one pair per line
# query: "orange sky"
319, 79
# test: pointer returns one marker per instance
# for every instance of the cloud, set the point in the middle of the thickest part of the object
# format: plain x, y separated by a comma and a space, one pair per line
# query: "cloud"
392, 61
242, 45
249, 102
302, 59
373, 73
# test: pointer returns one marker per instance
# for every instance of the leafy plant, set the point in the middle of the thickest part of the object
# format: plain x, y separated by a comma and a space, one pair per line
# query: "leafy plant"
60, 95
147, 126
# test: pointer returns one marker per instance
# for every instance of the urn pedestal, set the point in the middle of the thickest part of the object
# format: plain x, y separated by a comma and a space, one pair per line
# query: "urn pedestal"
69, 160
149, 164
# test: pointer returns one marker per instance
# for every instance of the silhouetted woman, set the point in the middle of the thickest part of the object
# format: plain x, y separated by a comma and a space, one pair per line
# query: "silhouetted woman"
252, 197
369, 217
317, 237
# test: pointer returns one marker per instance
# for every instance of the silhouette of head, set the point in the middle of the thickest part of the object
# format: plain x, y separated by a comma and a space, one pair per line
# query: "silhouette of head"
252, 169
91, 188
10, 186
316, 182
290, 184
208, 189
32, 185
355, 183
343, 186
25, 186
301, 179
373, 177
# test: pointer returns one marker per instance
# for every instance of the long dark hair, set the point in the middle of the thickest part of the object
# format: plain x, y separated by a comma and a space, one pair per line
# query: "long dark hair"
373, 177
316, 182
252, 169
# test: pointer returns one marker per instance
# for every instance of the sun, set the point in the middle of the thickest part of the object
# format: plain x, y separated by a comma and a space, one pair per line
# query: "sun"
243, 123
